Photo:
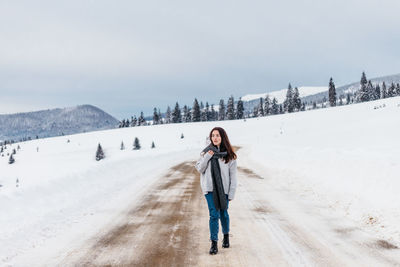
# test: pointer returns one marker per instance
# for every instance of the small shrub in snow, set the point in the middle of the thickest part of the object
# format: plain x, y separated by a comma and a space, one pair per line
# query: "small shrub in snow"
14, 151
182, 136
136, 144
11, 160
99, 153
152, 145
122, 145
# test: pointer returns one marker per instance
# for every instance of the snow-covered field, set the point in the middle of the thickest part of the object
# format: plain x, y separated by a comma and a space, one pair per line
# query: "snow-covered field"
280, 95
345, 158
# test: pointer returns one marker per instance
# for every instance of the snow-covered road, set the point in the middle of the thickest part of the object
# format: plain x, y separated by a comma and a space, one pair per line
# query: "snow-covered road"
270, 226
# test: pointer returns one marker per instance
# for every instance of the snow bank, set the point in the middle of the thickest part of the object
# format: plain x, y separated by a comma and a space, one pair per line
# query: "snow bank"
346, 158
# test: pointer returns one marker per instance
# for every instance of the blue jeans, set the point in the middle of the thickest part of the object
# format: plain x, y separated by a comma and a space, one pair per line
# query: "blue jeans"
215, 216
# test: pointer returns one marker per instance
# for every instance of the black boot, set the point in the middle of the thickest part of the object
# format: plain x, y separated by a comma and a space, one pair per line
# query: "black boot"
225, 242
214, 247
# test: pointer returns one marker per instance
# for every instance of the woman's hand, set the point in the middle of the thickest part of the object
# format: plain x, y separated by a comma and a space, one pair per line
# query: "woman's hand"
211, 152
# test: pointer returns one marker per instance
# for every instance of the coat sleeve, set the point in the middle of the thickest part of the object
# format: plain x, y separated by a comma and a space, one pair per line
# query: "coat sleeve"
201, 164
233, 179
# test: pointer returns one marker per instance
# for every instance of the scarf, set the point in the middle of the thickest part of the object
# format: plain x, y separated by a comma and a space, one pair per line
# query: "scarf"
220, 201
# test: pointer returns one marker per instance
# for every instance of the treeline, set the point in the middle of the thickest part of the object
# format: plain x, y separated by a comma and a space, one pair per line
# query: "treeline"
196, 113
368, 91
372, 91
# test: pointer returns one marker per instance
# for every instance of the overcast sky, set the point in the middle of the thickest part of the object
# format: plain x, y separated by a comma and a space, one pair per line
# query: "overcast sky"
128, 56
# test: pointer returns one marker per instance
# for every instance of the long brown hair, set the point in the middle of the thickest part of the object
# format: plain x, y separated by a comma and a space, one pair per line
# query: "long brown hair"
225, 144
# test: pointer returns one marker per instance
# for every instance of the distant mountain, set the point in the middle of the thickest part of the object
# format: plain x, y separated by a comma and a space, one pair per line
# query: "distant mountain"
352, 87
54, 122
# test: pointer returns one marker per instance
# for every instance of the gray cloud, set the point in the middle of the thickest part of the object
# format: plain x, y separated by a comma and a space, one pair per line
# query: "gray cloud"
127, 56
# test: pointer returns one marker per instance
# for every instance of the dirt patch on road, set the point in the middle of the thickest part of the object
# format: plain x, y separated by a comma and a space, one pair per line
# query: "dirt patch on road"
249, 173
157, 232
262, 210
385, 244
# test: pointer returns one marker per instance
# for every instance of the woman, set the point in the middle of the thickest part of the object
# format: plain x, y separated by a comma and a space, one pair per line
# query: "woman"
217, 166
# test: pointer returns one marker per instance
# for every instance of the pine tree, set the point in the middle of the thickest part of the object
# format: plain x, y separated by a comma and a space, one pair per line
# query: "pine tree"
267, 106
168, 115
121, 124
156, 119
323, 102
348, 99
332, 93
384, 91
176, 114
159, 117
134, 121
255, 111
153, 145
189, 115
239, 109
377, 91
99, 153
341, 100
213, 116
122, 145
296, 99
260, 108
275, 106
370, 91
288, 103
230, 109
186, 117
363, 79
208, 113
397, 89
136, 144
196, 111
391, 91
11, 160
363, 95
281, 109
221, 110
141, 120
203, 115
314, 106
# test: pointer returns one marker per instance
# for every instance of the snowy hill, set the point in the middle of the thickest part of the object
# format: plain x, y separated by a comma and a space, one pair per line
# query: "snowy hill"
280, 95
352, 87
252, 100
54, 122
345, 160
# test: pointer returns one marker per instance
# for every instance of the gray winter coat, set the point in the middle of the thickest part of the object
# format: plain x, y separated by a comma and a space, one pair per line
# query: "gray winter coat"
228, 174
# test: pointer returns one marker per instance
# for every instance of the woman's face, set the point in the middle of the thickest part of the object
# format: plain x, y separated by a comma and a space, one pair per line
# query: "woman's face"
216, 138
